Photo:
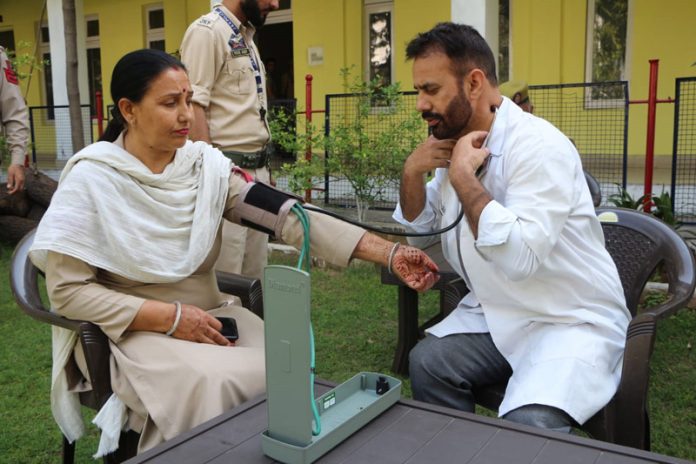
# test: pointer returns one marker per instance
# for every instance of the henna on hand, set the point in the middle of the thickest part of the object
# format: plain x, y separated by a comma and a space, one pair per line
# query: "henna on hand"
415, 268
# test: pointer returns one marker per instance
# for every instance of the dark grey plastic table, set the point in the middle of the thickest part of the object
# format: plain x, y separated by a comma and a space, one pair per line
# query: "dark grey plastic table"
409, 432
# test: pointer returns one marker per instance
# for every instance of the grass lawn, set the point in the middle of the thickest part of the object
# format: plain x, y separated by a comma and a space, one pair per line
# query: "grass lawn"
354, 321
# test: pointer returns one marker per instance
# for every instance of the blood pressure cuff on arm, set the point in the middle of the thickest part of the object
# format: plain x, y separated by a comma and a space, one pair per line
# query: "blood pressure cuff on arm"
262, 207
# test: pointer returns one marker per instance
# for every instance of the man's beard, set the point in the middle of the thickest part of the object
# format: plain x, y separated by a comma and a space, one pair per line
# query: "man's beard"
251, 10
453, 123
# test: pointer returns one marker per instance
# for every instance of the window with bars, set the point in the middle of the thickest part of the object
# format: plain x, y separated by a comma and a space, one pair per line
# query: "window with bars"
7, 39
379, 39
607, 46
94, 73
155, 27
45, 51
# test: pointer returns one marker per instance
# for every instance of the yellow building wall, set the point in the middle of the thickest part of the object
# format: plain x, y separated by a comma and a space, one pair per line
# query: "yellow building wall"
665, 31
548, 40
547, 44
410, 18
123, 28
23, 17
337, 27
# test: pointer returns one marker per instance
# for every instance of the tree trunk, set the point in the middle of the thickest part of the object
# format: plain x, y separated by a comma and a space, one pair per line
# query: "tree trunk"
13, 228
36, 212
76, 129
39, 187
14, 205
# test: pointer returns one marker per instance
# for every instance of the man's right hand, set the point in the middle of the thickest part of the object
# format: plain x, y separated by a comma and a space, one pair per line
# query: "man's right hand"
429, 155
15, 178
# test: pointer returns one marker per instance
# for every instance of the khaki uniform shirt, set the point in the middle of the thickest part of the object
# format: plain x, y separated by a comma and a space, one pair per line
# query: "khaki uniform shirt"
14, 116
224, 83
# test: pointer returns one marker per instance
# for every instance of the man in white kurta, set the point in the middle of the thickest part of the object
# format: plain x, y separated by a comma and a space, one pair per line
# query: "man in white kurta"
546, 307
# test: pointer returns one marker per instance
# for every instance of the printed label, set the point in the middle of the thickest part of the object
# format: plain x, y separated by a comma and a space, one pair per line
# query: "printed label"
329, 401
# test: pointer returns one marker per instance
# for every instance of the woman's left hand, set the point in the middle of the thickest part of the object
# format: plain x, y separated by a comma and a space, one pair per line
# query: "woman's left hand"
415, 268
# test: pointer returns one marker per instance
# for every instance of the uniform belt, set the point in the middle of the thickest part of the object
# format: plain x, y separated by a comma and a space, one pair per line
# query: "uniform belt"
253, 160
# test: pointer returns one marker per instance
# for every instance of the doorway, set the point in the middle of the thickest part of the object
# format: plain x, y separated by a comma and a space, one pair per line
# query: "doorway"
275, 45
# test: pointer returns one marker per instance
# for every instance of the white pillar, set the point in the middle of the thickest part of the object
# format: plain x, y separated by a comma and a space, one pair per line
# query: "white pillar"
56, 32
483, 16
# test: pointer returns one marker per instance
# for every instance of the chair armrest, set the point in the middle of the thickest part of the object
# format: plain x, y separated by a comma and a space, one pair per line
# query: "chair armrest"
679, 293
30, 302
246, 288
45, 315
24, 280
95, 345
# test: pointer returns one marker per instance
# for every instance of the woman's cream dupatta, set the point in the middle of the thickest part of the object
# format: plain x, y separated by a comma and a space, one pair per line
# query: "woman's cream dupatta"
112, 212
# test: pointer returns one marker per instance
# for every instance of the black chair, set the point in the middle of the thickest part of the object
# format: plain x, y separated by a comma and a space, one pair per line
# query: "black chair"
638, 243
452, 289
595, 189
25, 288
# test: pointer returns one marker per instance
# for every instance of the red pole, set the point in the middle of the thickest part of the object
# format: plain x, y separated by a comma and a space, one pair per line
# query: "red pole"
100, 113
650, 138
308, 116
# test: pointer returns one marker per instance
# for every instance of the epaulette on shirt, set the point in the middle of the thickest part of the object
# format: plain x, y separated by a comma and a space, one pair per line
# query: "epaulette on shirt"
208, 20
10, 75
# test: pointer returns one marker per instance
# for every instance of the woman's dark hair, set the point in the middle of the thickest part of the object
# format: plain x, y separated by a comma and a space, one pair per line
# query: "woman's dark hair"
462, 44
131, 79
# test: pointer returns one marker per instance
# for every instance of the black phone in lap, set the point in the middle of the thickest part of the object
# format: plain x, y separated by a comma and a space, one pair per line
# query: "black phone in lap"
229, 328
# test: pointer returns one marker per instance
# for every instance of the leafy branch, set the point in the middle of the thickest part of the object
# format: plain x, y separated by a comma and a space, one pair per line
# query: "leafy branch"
367, 144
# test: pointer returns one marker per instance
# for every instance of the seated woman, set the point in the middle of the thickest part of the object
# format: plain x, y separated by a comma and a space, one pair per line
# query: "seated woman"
129, 243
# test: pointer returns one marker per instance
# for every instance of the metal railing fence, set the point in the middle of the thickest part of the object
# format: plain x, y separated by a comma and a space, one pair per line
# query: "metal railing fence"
342, 110
684, 151
51, 139
595, 117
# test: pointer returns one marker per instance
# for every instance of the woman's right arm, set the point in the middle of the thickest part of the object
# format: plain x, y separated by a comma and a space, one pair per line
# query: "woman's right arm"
76, 294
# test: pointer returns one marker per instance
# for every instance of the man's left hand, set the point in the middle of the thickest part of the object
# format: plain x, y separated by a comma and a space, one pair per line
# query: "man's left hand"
15, 178
415, 268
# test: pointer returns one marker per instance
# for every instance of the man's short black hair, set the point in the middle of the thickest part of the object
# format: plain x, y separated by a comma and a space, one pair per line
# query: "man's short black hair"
462, 44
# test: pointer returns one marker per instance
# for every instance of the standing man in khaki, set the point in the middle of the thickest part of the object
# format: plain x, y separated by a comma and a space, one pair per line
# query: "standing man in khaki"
15, 123
230, 106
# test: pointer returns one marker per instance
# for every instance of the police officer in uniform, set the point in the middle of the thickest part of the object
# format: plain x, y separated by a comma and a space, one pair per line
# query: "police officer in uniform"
230, 106
518, 92
14, 119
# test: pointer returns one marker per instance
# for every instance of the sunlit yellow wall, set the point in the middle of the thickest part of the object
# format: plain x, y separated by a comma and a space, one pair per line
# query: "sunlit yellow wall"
334, 25
547, 43
337, 26
548, 47
122, 27
410, 18
22, 17
662, 30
